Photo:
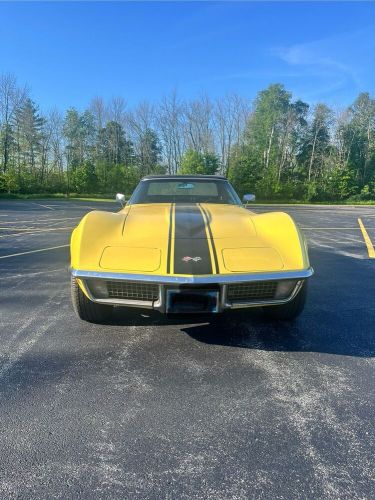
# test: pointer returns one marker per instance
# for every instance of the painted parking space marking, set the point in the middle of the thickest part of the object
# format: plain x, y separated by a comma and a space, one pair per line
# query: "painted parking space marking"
39, 229
366, 237
32, 231
40, 205
36, 229
39, 220
31, 275
28, 233
32, 251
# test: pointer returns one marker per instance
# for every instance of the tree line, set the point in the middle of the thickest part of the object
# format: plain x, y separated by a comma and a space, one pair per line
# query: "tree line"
275, 146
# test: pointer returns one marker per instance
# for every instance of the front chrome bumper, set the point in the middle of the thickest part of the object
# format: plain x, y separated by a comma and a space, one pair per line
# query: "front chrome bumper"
167, 283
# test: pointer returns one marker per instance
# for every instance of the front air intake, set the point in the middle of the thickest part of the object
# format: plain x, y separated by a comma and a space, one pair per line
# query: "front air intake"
252, 292
128, 290
123, 290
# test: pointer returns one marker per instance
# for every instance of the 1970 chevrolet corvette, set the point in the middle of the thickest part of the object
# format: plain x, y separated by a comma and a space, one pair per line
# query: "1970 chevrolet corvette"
186, 244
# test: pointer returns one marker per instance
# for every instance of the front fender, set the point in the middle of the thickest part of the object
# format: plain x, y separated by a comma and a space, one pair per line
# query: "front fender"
95, 230
280, 231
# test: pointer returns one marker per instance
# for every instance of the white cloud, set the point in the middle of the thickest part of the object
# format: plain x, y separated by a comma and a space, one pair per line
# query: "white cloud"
334, 61
313, 58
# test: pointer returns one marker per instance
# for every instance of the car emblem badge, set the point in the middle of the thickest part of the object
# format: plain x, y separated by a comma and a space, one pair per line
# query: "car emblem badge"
194, 259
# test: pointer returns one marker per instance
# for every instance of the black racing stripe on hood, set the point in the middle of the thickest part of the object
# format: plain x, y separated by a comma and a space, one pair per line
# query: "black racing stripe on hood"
208, 215
169, 240
191, 241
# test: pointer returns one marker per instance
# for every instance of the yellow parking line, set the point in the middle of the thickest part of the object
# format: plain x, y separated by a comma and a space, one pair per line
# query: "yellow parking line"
32, 251
366, 237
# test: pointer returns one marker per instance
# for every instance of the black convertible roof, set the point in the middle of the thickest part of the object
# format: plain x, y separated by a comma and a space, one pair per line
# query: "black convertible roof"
216, 177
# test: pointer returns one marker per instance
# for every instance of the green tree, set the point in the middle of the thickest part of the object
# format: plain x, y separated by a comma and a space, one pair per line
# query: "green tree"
12, 97
83, 178
266, 125
360, 137
9, 181
193, 162
7, 143
28, 140
316, 143
271, 142
244, 172
114, 148
79, 134
149, 154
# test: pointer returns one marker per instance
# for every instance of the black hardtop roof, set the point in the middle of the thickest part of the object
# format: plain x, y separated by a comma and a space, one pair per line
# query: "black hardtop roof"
198, 177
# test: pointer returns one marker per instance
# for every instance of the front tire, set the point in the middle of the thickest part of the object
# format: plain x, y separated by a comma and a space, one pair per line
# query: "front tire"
87, 309
291, 309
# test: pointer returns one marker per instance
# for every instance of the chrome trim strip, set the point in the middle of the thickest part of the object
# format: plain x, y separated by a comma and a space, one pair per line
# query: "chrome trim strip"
198, 280
141, 304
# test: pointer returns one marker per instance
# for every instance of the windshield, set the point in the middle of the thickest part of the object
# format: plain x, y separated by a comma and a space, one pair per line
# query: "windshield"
184, 191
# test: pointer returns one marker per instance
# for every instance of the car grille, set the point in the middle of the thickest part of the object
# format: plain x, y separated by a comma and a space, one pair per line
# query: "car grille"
132, 290
251, 292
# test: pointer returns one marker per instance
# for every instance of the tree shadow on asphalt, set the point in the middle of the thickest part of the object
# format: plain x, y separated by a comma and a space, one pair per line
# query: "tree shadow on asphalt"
339, 317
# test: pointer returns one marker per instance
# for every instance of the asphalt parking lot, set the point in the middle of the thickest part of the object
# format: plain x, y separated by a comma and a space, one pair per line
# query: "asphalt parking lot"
153, 407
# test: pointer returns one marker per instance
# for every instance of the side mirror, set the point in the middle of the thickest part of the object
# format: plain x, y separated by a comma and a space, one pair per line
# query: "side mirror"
120, 198
247, 198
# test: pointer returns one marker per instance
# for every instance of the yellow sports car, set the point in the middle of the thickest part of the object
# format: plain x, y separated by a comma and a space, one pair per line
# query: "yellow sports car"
186, 244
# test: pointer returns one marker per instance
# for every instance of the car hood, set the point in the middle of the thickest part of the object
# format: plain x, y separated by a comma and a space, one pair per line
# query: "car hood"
193, 239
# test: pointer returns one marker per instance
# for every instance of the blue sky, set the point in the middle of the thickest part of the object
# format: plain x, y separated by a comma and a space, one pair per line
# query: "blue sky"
69, 52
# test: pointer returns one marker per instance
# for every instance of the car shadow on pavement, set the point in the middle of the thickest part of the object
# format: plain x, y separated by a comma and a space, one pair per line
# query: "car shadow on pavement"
298, 336
339, 317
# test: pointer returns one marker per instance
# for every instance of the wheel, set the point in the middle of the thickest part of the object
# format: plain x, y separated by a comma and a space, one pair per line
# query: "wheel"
291, 309
87, 309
